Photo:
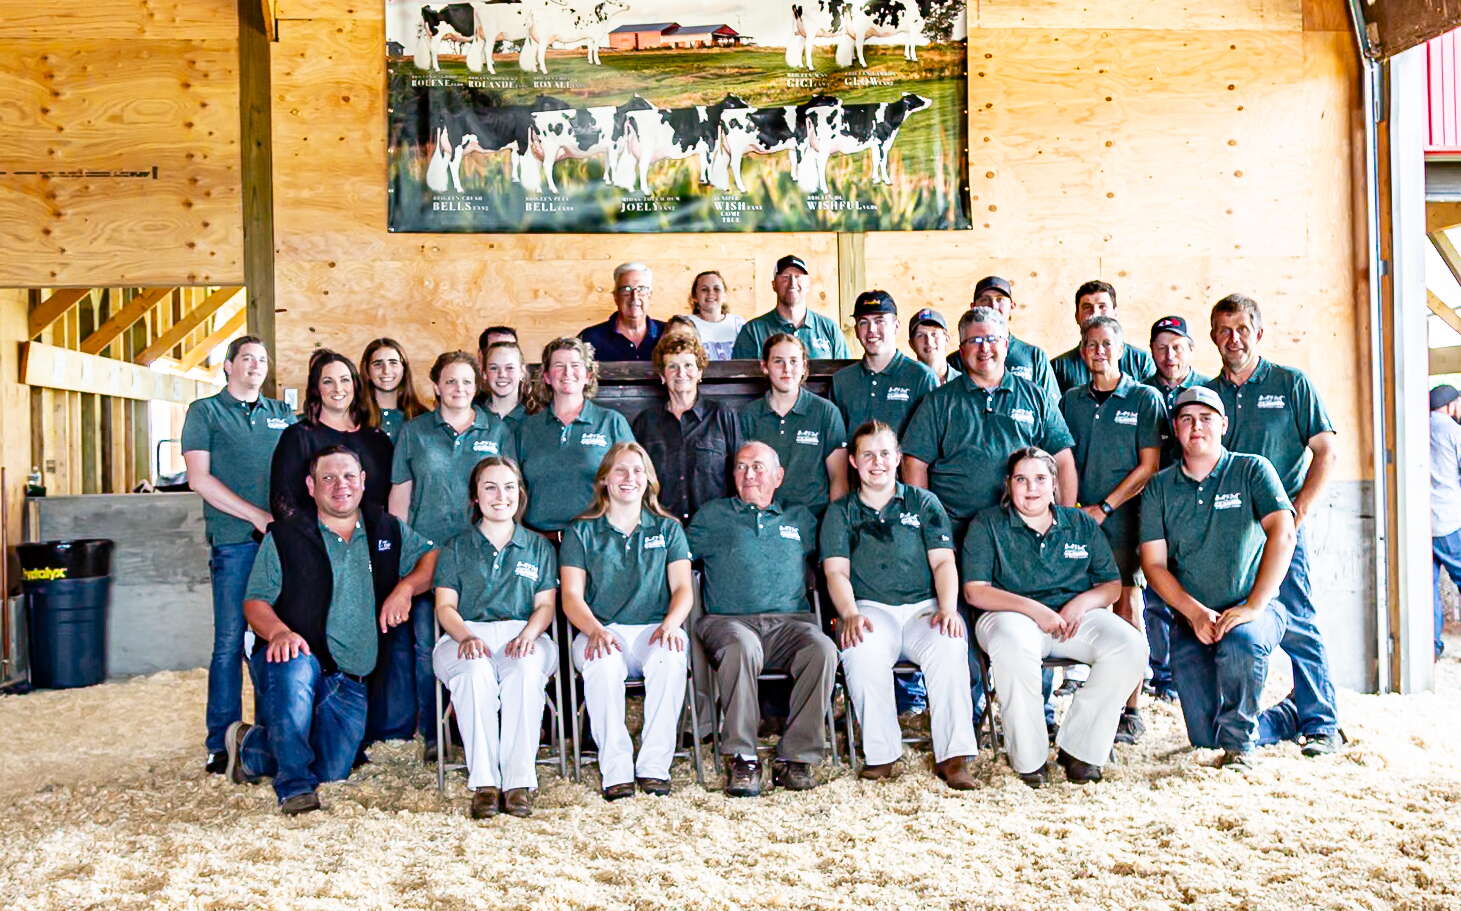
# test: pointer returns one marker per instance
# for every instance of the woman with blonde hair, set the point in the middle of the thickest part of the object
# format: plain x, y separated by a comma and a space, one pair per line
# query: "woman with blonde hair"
710, 312
625, 565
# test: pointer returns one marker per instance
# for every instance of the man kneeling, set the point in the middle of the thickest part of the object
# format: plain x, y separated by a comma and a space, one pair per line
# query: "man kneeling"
755, 562
326, 585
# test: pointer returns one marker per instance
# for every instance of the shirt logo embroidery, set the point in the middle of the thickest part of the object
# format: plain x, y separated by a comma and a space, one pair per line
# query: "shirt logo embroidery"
382, 545
910, 520
593, 439
1270, 401
526, 570
276, 423
790, 532
821, 346
898, 393
1126, 417
809, 437
1023, 415
485, 446
1228, 501
1023, 372
1076, 552
654, 542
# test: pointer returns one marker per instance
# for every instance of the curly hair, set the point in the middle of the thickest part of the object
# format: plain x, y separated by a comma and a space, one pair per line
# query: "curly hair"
540, 395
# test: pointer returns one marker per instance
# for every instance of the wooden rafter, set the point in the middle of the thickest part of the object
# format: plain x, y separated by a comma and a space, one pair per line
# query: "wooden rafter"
271, 28
185, 326
194, 356
122, 320
53, 308
1445, 360
1438, 307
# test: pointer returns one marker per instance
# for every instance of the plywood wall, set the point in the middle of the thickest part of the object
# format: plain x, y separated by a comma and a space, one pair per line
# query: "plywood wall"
119, 143
1179, 150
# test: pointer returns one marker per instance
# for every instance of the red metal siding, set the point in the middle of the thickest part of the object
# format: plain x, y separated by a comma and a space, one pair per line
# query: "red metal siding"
1443, 83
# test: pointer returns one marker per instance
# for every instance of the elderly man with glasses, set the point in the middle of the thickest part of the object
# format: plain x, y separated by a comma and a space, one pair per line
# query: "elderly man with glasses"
629, 334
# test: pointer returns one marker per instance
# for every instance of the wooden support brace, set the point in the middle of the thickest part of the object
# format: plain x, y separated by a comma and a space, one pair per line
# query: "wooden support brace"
271, 28
185, 326
1445, 360
50, 367
195, 355
1439, 308
122, 320
53, 308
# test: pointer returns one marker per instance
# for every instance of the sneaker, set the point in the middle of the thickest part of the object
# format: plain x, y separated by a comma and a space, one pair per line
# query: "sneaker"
744, 779
1130, 728
1312, 745
233, 746
793, 776
518, 802
1241, 761
485, 803
654, 787
307, 802
619, 791
1038, 778
1077, 772
217, 763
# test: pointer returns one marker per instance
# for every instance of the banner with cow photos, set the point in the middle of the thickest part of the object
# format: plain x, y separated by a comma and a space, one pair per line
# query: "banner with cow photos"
510, 116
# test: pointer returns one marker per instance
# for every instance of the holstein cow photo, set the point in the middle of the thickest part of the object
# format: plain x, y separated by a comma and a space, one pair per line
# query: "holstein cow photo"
581, 133
565, 25
874, 127
474, 29
660, 135
850, 25
768, 131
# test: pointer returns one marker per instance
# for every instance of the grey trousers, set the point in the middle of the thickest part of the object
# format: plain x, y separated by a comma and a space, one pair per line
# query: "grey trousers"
740, 646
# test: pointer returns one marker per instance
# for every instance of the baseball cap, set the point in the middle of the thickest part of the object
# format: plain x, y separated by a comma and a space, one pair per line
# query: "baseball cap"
1443, 395
993, 283
927, 316
1171, 324
869, 303
791, 259
1199, 395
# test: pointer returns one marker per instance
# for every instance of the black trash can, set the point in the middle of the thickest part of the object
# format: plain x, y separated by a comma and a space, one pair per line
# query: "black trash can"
67, 586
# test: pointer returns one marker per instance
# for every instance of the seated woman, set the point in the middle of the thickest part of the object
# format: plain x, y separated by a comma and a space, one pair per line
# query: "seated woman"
335, 414
495, 588
711, 316
888, 553
625, 566
563, 440
392, 400
693, 439
1042, 577
507, 381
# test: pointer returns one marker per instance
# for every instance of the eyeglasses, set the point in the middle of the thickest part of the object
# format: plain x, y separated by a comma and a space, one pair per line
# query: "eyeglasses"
641, 290
982, 340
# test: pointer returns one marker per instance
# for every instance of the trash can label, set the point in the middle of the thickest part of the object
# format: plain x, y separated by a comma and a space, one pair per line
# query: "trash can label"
45, 574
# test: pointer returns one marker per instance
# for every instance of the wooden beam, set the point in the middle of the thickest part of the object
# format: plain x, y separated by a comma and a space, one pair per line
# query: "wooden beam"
122, 320
1439, 308
50, 367
270, 19
1442, 242
194, 356
190, 321
851, 273
256, 163
53, 308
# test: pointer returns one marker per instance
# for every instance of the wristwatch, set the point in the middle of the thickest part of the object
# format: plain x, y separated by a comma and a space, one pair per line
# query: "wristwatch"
1107, 508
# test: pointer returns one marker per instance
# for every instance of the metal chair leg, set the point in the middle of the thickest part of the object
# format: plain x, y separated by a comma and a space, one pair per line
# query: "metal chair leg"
440, 741
715, 757
558, 726
694, 716
577, 719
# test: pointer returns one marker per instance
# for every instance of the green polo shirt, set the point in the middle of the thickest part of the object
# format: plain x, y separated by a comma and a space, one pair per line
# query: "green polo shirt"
239, 438
1171, 451
439, 462
1027, 362
559, 462
627, 581
888, 395
888, 548
1070, 371
515, 416
1109, 437
1212, 527
754, 559
820, 334
494, 584
350, 624
391, 421
1274, 415
803, 438
1071, 557
966, 434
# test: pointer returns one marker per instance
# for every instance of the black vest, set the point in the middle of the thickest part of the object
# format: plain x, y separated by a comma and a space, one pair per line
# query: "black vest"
304, 597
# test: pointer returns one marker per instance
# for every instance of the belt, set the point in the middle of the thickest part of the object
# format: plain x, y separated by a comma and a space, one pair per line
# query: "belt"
358, 678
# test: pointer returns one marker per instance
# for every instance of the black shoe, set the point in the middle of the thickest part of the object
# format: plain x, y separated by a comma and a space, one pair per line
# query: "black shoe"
1322, 744
360, 759
619, 791
233, 745
1051, 729
1077, 772
217, 763
1130, 728
1038, 778
654, 787
793, 776
743, 778
307, 802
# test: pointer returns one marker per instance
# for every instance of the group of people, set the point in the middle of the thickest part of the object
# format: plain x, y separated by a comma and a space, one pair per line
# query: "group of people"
992, 507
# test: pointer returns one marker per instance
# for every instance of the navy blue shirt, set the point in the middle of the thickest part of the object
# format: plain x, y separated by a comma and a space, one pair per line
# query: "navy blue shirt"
609, 345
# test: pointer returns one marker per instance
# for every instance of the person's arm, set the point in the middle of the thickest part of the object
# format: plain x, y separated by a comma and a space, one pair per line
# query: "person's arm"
1160, 578
915, 472
985, 596
396, 609
1148, 461
398, 503
1322, 447
217, 494
1065, 477
284, 643
682, 598
287, 469
946, 590
544, 607
574, 583
468, 645
1278, 549
851, 624
1101, 595
837, 474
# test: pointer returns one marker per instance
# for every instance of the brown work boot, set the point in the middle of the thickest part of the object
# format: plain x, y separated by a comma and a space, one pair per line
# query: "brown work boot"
485, 803
1076, 771
876, 772
793, 776
1038, 778
517, 802
955, 773
743, 778
307, 802
619, 791
655, 787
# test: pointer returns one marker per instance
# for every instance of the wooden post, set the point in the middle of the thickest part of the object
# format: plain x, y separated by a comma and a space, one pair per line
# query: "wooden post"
258, 171
851, 274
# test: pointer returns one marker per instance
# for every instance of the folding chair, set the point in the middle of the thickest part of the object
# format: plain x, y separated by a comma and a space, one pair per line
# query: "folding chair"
556, 754
578, 709
991, 711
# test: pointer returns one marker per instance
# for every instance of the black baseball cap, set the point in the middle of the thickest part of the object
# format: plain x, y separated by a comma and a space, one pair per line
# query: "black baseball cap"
993, 283
927, 317
791, 259
1443, 395
1171, 324
869, 303
1199, 395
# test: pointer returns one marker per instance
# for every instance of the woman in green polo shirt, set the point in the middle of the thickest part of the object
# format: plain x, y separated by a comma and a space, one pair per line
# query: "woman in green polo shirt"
496, 585
626, 588
507, 381
393, 399
1042, 577
563, 440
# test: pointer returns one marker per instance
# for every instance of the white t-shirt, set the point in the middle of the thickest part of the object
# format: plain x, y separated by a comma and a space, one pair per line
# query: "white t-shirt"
718, 338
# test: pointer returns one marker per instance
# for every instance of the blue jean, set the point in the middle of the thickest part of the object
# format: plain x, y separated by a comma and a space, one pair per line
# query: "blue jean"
1221, 684
909, 692
393, 706
1159, 620
423, 627
310, 727
1445, 554
1313, 690
229, 566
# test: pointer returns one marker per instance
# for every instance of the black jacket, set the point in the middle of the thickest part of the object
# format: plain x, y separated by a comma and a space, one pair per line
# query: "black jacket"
298, 444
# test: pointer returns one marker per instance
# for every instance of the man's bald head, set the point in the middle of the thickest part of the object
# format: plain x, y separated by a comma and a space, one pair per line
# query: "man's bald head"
758, 474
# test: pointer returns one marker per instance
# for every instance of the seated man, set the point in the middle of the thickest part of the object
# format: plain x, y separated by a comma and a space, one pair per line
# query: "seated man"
1217, 531
326, 585
755, 551
629, 334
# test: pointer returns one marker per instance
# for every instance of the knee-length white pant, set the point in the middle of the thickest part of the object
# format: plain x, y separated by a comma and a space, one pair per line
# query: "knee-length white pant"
499, 703
663, 671
1117, 654
901, 631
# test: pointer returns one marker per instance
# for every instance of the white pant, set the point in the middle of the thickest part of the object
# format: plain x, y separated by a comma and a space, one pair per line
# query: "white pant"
663, 671
1116, 652
501, 751
901, 631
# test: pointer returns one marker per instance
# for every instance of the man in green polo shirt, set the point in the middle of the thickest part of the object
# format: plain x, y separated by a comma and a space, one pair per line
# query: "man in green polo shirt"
1096, 298
886, 384
326, 586
754, 551
228, 445
1023, 359
1274, 411
805, 429
1217, 531
821, 336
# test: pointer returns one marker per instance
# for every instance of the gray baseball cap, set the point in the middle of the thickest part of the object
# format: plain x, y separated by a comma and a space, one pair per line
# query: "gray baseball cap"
1199, 395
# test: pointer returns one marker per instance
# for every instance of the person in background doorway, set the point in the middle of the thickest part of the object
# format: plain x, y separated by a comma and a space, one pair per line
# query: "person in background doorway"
710, 313
1096, 298
819, 335
393, 400
630, 333
1445, 496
